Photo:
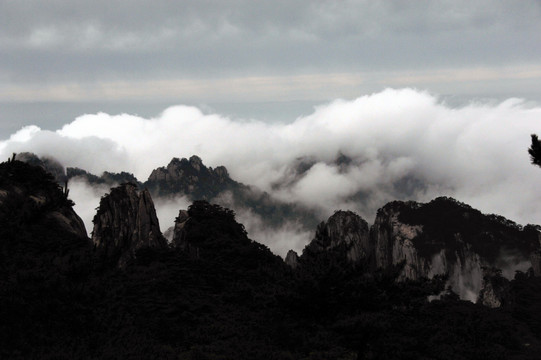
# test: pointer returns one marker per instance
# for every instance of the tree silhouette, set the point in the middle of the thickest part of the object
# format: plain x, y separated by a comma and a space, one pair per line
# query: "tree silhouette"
535, 151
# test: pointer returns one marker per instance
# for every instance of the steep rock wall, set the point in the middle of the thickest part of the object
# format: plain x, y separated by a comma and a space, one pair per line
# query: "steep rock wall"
345, 233
126, 221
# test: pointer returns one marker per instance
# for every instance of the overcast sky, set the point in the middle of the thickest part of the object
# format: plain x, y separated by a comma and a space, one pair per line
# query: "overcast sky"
264, 51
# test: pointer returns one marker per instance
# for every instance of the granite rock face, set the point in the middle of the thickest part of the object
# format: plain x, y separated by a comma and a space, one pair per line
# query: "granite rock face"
446, 237
292, 259
442, 237
344, 232
125, 222
392, 241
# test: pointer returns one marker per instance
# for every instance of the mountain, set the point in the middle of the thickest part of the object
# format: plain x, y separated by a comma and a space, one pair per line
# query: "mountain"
445, 236
108, 178
48, 164
30, 199
214, 293
344, 233
125, 222
442, 237
190, 177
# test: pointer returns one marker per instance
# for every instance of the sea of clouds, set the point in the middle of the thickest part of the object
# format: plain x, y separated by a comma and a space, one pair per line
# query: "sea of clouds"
475, 153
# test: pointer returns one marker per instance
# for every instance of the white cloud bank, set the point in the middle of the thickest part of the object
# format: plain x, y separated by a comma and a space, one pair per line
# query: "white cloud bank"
402, 144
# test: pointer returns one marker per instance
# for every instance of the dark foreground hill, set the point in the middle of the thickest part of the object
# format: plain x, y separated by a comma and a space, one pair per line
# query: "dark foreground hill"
215, 294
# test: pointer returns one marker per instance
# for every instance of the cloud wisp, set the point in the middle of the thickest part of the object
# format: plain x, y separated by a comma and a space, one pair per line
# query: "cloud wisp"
398, 144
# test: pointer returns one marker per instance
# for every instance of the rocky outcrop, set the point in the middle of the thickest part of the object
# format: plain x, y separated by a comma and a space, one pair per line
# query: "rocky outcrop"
190, 177
179, 230
125, 222
442, 237
210, 232
48, 164
345, 233
29, 195
292, 259
496, 290
107, 178
393, 242
448, 237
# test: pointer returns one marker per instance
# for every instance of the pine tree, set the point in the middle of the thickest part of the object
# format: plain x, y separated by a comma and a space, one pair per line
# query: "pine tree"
535, 151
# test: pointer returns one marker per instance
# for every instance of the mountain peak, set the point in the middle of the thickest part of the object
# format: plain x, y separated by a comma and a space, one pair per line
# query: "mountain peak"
196, 162
125, 222
30, 195
190, 177
343, 230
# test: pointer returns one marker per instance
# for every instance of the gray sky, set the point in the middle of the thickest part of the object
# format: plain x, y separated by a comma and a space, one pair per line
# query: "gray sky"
265, 51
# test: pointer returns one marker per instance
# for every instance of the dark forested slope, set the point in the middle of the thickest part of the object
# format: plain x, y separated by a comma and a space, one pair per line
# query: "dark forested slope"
215, 294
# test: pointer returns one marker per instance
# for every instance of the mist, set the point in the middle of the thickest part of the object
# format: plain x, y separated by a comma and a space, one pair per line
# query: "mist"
400, 144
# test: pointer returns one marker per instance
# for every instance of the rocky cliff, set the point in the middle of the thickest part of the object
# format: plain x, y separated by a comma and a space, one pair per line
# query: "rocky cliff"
189, 177
31, 198
496, 290
292, 259
392, 242
449, 237
442, 237
345, 233
125, 222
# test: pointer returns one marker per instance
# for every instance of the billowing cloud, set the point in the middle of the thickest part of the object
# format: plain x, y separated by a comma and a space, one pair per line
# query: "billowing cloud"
396, 144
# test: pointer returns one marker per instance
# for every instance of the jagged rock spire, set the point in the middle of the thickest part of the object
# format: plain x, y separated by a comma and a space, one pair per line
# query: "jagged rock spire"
126, 221
345, 230
292, 259
190, 177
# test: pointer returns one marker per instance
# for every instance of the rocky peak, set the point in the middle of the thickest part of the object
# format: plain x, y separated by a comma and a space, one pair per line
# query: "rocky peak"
344, 230
48, 164
210, 231
196, 162
222, 173
109, 178
190, 177
292, 259
125, 222
445, 236
30, 195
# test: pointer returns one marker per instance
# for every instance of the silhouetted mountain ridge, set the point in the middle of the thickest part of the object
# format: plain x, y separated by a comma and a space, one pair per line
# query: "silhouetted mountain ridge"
358, 292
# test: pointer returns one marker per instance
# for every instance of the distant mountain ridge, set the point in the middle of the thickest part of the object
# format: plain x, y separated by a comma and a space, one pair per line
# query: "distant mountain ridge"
190, 178
442, 237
